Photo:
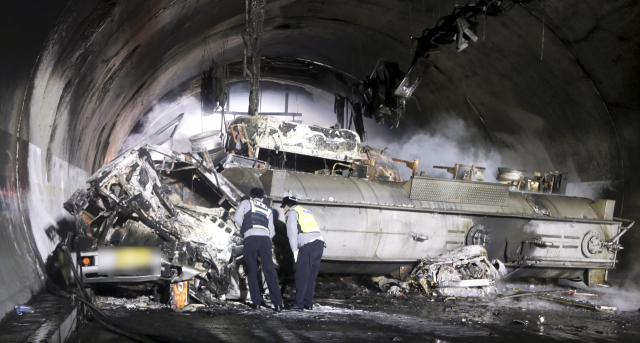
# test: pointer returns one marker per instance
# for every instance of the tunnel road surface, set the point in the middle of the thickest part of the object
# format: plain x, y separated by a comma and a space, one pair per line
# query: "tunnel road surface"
378, 318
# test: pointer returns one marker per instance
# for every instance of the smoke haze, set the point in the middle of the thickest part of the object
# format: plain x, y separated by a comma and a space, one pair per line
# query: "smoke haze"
448, 142
316, 109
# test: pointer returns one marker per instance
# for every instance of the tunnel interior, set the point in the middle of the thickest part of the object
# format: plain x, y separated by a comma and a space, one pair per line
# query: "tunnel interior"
549, 86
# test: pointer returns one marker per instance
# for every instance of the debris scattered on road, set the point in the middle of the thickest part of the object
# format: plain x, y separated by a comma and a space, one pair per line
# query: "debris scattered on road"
393, 287
549, 295
577, 294
461, 272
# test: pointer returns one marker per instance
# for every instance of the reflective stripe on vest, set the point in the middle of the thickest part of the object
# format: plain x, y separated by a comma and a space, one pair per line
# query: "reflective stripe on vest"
257, 217
306, 222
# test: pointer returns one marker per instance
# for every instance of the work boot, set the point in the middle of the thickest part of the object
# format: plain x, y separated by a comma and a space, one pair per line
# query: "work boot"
292, 308
308, 307
278, 308
255, 307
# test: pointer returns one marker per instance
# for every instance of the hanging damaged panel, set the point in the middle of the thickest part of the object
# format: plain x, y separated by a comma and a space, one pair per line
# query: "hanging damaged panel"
358, 122
380, 101
210, 87
457, 27
412, 79
386, 90
338, 109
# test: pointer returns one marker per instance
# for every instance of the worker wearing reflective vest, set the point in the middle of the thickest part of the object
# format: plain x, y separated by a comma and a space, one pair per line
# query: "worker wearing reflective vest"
308, 246
255, 220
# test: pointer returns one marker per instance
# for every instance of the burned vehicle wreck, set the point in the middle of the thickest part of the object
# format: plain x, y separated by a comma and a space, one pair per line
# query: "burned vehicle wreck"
137, 222
447, 237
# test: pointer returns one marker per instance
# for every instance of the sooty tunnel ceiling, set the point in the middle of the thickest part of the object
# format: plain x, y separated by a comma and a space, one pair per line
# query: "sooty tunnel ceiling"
548, 86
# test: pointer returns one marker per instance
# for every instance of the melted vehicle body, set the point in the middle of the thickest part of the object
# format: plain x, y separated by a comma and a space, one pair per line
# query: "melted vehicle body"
165, 225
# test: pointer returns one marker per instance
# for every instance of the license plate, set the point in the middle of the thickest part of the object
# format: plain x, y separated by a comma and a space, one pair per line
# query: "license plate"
179, 294
133, 258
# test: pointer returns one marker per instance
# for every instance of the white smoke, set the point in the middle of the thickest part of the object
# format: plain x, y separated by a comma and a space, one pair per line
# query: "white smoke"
316, 109
193, 122
448, 142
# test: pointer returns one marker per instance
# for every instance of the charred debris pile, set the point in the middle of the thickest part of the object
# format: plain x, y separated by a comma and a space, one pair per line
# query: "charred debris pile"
152, 224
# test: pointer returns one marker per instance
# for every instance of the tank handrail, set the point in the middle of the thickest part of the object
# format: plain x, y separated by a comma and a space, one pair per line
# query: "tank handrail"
436, 211
625, 229
333, 170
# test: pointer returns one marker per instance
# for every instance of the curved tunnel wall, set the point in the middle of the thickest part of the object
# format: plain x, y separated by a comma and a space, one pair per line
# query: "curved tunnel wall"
75, 84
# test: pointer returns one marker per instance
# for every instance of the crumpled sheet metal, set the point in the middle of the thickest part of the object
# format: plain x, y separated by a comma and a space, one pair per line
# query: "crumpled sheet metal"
276, 134
384, 165
129, 188
393, 287
461, 272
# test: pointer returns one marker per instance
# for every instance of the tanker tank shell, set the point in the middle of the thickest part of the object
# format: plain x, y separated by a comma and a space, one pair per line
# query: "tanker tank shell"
378, 226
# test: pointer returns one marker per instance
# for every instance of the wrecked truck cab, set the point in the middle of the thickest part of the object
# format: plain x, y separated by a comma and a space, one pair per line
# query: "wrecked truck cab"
159, 222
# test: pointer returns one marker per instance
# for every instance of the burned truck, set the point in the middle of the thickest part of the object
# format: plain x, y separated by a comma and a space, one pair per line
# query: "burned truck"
158, 219
161, 219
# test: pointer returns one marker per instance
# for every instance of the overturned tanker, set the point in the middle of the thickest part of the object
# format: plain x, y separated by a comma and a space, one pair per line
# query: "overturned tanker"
373, 222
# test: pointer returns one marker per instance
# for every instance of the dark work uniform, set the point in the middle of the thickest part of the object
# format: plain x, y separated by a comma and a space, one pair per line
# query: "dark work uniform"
306, 240
307, 269
256, 222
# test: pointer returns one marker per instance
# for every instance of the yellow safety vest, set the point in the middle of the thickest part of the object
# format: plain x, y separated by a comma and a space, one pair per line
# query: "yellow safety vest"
306, 222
